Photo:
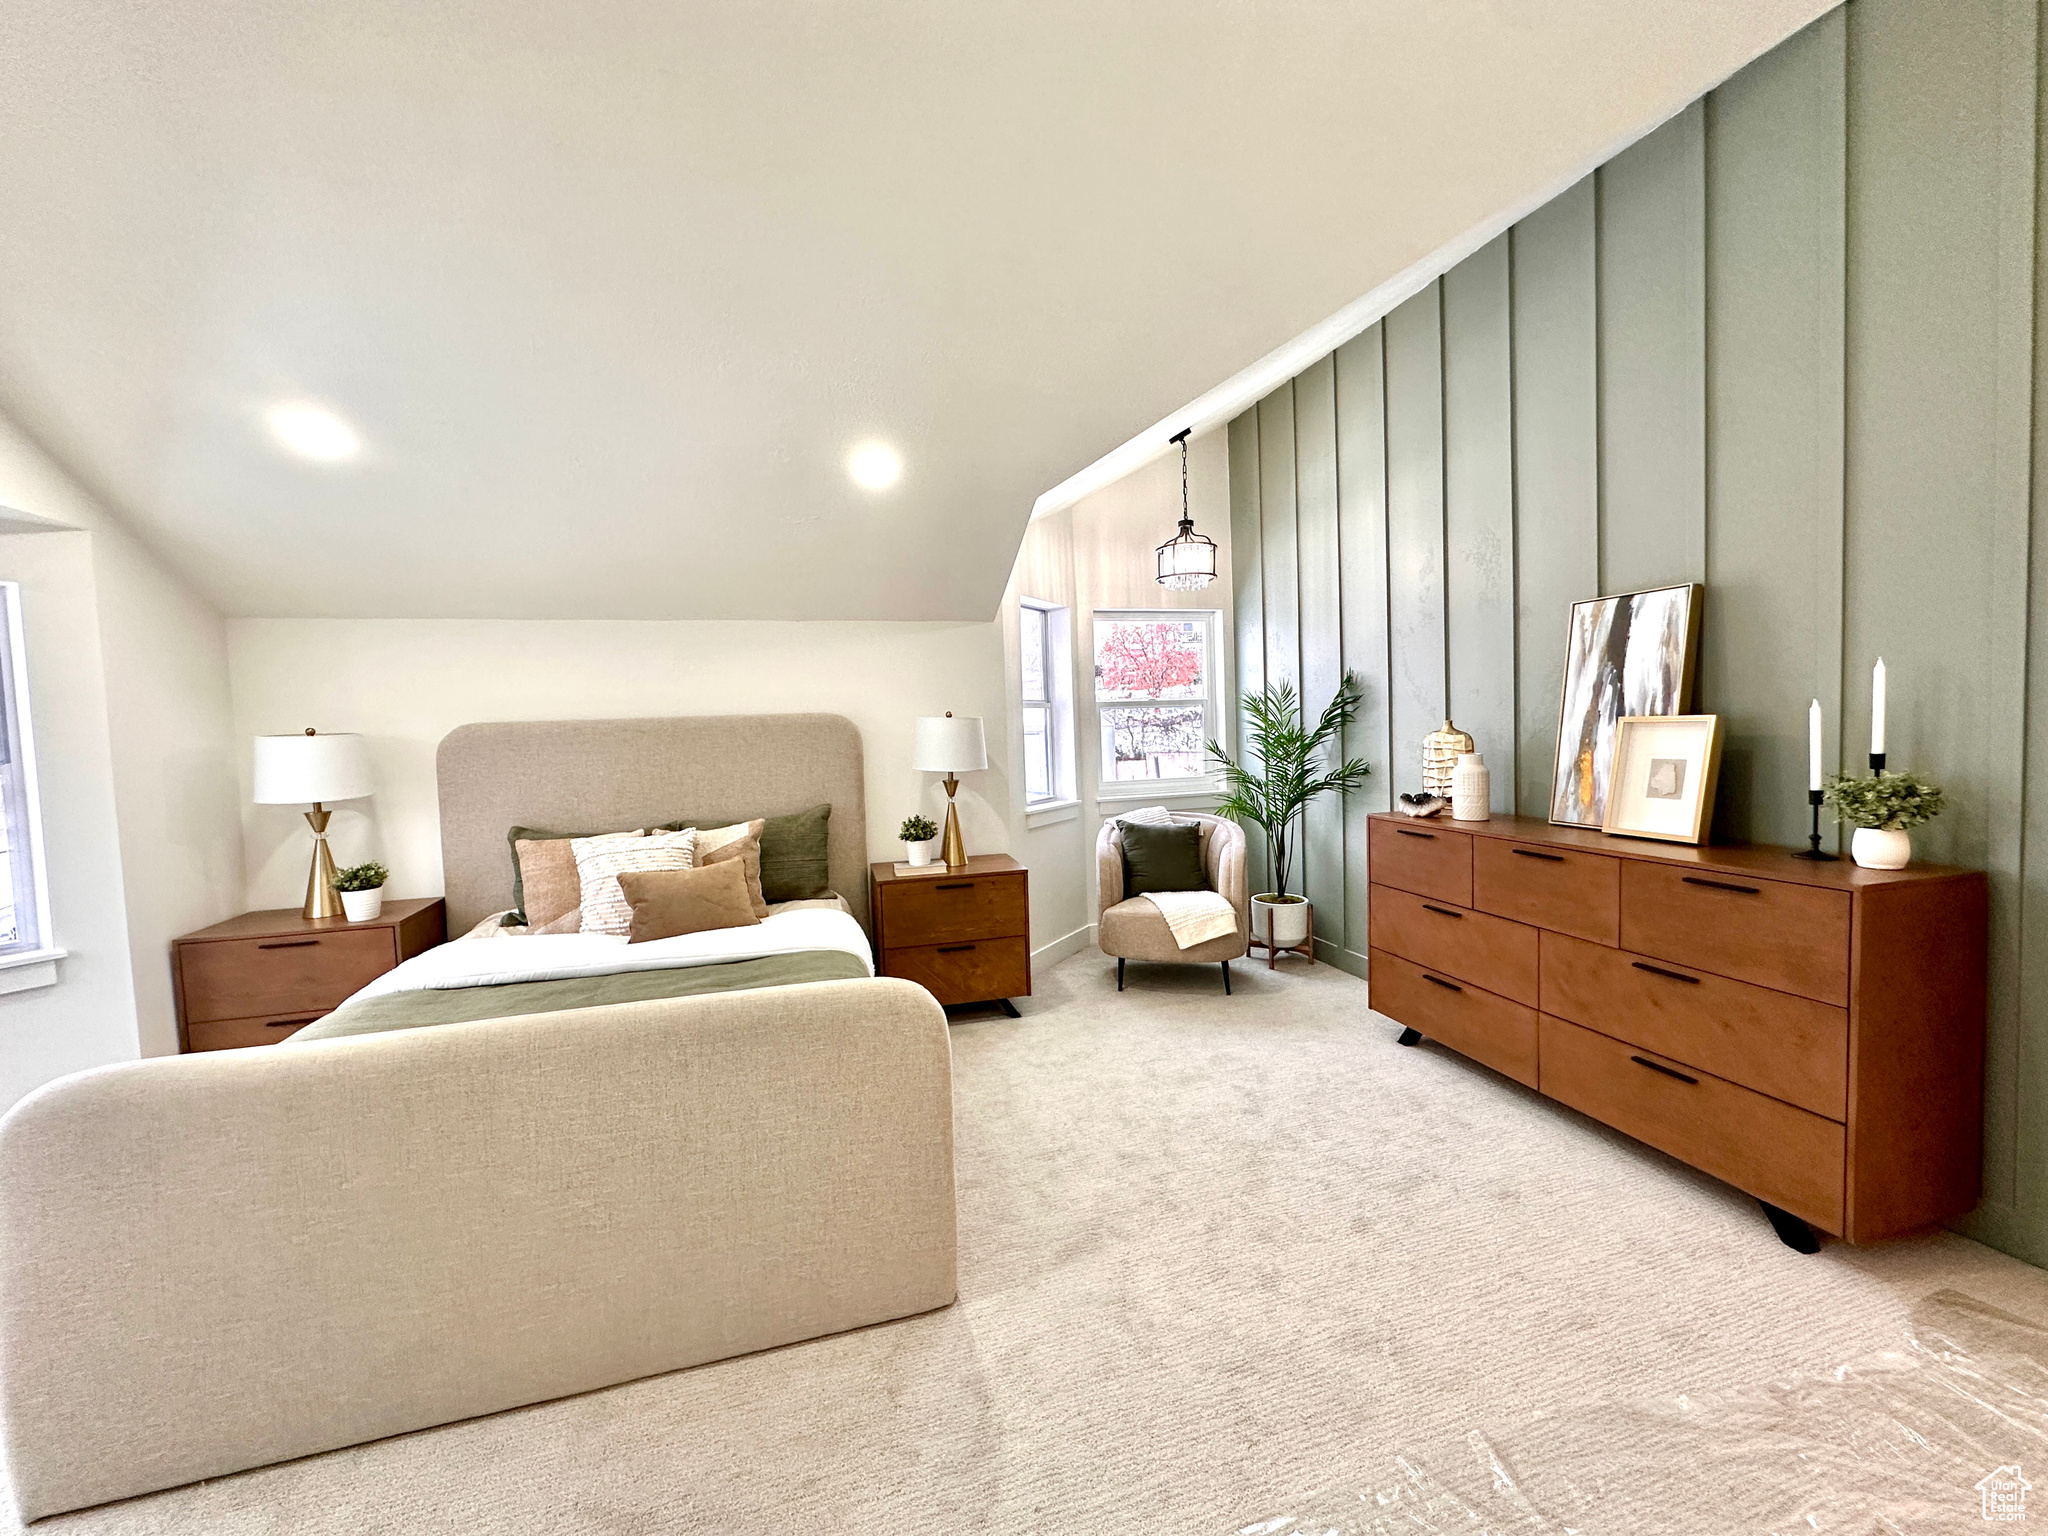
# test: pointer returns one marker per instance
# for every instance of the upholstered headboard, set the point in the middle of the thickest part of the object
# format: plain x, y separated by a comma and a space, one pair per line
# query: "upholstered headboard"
604, 775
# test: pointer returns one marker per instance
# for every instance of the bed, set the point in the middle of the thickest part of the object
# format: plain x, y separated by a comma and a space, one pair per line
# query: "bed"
218, 1261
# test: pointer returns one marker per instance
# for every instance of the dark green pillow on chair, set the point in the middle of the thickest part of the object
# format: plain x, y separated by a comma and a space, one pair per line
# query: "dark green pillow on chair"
1163, 858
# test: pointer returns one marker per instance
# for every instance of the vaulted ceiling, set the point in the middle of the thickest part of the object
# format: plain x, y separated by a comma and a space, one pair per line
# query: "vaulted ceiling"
609, 291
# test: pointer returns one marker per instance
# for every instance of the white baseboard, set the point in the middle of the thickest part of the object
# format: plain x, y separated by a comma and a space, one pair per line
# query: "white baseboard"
1048, 955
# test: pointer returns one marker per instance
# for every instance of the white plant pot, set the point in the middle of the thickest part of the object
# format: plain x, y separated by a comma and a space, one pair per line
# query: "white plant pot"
1877, 848
1471, 788
1282, 923
917, 855
363, 906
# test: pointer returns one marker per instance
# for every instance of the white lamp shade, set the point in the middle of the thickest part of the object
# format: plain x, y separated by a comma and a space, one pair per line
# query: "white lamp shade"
949, 744
308, 770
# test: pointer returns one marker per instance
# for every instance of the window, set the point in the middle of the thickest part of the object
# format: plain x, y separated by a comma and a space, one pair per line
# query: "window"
24, 909
1044, 659
1155, 695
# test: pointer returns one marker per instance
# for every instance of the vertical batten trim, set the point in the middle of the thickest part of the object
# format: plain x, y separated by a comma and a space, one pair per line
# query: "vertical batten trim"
1514, 546
1832, 448
1443, 472
1599, 389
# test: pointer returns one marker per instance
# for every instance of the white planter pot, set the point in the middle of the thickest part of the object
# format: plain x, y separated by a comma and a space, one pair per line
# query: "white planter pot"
1283, 923
1876, 848
363, 906
917, 855
1471, 788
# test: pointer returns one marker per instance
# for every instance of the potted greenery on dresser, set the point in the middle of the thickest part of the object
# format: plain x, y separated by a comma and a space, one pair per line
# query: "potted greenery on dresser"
917, 833
1883, 809
362, 891
1273, 795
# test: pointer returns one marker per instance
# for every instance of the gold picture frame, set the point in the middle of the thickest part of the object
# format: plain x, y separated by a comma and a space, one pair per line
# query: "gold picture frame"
1631, 653
1666, 770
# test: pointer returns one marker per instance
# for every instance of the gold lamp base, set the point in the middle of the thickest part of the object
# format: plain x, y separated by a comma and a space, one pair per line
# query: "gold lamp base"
955, 846
322, 899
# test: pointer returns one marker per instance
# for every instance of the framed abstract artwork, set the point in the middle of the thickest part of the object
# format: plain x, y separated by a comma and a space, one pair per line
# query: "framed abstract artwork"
1630, 654
1665, 771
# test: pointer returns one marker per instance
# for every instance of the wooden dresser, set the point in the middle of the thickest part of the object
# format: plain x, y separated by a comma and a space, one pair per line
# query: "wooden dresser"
1812, 1033
257, 978
964, 935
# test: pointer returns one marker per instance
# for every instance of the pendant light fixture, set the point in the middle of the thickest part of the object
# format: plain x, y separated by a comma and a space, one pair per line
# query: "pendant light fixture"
1187, 561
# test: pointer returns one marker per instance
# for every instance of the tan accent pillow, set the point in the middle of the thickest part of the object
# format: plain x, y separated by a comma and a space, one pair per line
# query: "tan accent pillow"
742, 841
548, 880
601, 860
667, 903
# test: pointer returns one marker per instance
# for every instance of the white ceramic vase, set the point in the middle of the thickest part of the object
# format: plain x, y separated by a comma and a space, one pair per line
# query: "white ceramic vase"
1879, 848
363, 906
917, 855
1471, 788
1282, 923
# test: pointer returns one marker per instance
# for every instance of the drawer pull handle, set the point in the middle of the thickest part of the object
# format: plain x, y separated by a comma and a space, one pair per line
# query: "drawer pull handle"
289, 944
1531, 853
286, 1023
1411, 832
1658, 1066
958, 885
1446, 985
1721, 885
1658, 970
953, 949
1441, 911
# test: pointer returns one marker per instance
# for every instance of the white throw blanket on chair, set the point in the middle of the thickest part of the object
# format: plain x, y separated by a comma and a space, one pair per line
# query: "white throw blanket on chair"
1195, 916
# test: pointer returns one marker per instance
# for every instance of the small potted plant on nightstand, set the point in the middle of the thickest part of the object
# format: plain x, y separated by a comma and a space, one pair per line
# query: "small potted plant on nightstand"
362, 891
917, 833
1883, 809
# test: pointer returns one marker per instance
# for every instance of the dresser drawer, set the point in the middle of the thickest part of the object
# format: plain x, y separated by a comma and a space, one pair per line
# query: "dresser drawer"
942, 908
233, 1034
1465, 945
973, 971
257, 978
1557, 888
1470, 1020
1791, 937
1791, 1048
1429, 861
1784, 1155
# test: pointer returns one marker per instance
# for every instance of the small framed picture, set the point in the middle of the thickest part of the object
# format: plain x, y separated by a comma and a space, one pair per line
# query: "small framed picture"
1665, 768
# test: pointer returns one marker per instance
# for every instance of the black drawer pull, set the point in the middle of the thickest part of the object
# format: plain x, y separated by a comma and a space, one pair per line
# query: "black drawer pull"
1441, 911
286, 1023
1411, 832
1658, 970
1446, 985
289, 944
1531, 853
1721, 885
958, 885
953, 949
1658, 1066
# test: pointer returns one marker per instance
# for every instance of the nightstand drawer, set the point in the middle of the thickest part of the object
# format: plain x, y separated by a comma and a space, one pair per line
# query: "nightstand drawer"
233, 1034
301, 975
974, 971
943, 908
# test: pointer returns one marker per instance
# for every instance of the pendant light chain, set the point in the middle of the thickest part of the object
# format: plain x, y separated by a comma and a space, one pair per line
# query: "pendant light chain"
1187, 561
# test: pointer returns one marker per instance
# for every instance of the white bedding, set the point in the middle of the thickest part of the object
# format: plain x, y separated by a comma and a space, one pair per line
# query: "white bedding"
552, 957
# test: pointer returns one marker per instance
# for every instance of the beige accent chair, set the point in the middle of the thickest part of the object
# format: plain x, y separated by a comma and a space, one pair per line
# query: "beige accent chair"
1133, 929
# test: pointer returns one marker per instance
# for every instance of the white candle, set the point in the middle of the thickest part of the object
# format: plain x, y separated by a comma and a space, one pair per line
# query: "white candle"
1877, 709
1813, 746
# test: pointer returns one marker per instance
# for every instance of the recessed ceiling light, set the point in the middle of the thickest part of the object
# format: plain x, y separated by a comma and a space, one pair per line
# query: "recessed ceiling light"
312, 431
874, 466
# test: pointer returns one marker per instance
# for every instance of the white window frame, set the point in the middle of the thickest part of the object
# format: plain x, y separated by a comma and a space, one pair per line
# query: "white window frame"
1061, 803
1206, 781
31, 960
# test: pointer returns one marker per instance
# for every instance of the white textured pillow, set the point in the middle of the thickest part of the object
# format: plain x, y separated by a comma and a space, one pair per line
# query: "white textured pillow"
601, 860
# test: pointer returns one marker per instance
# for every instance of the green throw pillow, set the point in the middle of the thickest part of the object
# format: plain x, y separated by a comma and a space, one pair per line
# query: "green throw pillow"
795, 862
1163, 858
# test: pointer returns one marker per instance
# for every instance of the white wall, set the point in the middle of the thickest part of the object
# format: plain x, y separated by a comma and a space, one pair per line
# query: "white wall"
406, 684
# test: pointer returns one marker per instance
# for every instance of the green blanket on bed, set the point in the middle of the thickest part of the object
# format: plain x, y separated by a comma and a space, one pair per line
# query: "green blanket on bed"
455, 1005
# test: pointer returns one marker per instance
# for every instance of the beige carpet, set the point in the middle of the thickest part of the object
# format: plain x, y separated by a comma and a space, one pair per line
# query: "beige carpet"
1216, 1254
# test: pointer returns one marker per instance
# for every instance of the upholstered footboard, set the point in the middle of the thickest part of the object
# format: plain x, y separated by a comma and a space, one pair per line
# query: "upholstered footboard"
214, 1262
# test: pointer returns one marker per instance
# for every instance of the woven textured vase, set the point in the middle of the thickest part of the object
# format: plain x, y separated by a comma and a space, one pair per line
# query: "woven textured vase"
1441, 749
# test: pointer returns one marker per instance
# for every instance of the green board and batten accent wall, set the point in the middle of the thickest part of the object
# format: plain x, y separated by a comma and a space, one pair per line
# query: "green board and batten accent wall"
1785, 346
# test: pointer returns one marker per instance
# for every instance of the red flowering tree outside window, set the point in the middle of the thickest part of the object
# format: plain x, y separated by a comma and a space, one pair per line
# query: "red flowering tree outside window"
1151, 686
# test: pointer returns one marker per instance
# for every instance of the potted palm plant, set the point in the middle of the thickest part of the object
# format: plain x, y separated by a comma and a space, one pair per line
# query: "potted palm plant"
1274, 795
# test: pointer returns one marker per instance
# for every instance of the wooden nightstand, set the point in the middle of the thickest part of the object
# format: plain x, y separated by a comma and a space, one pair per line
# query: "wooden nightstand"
964, 935
257, 978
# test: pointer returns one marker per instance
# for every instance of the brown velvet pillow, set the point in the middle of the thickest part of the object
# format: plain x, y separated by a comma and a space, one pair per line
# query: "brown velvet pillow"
667, 903
742, 841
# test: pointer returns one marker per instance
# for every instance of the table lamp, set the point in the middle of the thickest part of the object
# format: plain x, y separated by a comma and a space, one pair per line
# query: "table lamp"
950, 746
311, 770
